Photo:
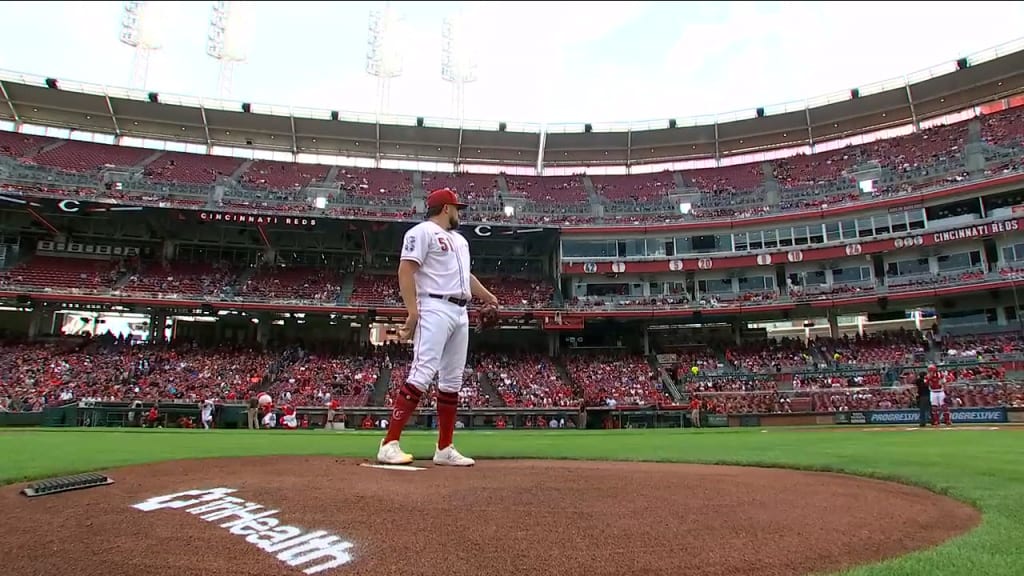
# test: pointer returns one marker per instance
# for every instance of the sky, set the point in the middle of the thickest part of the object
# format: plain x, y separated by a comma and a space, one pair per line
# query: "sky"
538, 62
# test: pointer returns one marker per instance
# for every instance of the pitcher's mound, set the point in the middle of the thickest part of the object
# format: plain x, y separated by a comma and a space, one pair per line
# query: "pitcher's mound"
320, 515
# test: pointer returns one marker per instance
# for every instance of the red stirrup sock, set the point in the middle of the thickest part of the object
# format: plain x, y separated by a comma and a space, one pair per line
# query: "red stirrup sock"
447, 403
405, 406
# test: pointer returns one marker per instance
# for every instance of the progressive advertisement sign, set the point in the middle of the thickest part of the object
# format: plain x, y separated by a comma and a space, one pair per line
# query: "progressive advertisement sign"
960, 416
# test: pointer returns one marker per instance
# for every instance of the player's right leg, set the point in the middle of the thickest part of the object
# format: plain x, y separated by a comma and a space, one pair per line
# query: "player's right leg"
428, 345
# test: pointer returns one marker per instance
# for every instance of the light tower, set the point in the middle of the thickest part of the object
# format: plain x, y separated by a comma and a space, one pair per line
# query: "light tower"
384, 52
458, 63
227, 41
140, 29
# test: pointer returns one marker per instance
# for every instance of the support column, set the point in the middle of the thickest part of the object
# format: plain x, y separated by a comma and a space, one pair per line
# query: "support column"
40, 323
263, 330
833, 324
157, 326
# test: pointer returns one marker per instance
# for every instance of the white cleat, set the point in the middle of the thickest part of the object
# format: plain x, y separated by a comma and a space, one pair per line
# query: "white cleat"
391, 453
451, 457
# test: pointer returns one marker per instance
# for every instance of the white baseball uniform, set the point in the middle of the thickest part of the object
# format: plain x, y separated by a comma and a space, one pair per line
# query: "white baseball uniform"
442, 293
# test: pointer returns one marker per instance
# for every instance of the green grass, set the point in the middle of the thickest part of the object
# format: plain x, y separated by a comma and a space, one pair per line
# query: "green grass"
983, 468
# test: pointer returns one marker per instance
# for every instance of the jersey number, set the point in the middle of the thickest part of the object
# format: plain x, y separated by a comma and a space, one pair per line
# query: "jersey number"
444, 244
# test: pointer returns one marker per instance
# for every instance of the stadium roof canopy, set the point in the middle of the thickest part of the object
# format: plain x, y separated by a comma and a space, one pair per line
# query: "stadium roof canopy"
954, 86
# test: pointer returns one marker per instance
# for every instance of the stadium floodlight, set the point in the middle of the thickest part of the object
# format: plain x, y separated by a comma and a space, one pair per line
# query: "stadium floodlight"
458, 61
385, 52
228, 40
141, 29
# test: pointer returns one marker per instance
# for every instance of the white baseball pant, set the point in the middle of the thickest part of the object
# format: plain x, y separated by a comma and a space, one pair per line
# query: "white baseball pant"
938, 398
440, 345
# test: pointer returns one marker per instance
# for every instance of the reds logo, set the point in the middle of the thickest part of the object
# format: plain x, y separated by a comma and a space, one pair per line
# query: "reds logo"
853, 249
675, 265
705, 263
68, 205
795, 256
764, 259
590, 267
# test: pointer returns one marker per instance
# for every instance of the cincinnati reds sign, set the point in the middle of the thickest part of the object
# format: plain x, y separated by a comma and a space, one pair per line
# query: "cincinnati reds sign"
258, 219
976, 231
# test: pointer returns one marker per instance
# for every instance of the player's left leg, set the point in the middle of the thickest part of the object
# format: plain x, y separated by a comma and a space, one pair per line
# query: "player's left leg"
449, 382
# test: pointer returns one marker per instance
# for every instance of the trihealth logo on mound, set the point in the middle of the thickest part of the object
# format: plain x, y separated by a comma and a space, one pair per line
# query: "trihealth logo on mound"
316, 551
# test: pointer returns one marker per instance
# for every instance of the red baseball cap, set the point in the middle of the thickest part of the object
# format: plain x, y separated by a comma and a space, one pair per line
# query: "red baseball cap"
443, 197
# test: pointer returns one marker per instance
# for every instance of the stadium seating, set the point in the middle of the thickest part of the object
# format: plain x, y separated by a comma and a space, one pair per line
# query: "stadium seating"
469, 187
65, 273
184, 278
315, 380
525, 381
182, 168
556, 190
616, 380
295, 283
911, 162
267, 175
19, 145
74, 156
381, 289
636, 188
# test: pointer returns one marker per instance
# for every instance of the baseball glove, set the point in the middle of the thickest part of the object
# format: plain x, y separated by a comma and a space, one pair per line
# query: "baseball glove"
487, 317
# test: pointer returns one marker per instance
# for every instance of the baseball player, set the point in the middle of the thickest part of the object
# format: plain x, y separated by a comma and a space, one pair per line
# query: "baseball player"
436, 285
207, 413
938, 396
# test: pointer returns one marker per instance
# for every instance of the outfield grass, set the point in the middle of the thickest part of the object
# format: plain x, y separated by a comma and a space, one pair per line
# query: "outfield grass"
983, 468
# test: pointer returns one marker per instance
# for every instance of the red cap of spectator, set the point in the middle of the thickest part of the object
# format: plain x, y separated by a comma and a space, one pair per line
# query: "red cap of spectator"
443, 197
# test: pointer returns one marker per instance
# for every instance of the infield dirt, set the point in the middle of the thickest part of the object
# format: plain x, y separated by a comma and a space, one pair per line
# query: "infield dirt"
508, 517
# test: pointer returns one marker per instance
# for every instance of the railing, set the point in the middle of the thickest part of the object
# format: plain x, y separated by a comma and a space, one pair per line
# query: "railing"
991, 278
542, 210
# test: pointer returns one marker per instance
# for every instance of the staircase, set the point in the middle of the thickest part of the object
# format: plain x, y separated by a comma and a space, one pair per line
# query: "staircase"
488, 389
666, 380
502, 185
149, 159
241, 170
417, 182
678, 179
122, 281
381, 387
563, 373
243, 279
46, 148
592, 193
332, 174
348, 283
